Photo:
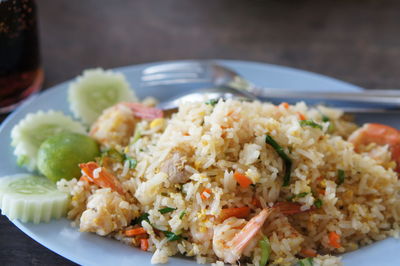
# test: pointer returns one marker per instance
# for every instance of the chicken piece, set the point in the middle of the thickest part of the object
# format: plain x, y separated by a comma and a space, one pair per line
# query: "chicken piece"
174, 167
106, 212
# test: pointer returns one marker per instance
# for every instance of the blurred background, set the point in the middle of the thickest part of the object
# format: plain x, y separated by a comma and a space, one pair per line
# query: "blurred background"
355, 41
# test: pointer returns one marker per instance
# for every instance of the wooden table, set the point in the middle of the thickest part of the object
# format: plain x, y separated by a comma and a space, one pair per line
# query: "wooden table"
356, 41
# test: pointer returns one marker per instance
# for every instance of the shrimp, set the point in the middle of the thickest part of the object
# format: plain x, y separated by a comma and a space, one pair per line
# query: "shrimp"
117, 124
229, 241
381, 135
92, 172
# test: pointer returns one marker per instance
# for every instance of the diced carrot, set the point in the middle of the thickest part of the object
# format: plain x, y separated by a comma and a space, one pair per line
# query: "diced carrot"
256, 202
321, 191
242, 179
289, 208
241, 212
144, 244
285, 105
135, 231
334, 240
301, 116
104, 179
308, 252
143, 111
205, 194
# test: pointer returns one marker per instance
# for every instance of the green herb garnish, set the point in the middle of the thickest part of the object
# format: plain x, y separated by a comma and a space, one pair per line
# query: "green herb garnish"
301, 195
325, 118
132, 162
182, 214
113, 154
212, 102
265, 247
171, 236
310, 123
136, 136
287, 161
166, 210
340, 177
143, 217
318, 203
306, 262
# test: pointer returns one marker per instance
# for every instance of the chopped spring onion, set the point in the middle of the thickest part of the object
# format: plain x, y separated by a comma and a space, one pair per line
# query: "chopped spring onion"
132, 162
265, 247
310, 123
212, 102
340, 177
300, 195
288, 162
166, 210
306, 262
182, 214
318, 203
136, 136
113, 154
143, 217
171, 236
325, 119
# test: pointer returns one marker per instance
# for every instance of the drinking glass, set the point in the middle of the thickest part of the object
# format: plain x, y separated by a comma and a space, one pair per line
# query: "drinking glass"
20, 71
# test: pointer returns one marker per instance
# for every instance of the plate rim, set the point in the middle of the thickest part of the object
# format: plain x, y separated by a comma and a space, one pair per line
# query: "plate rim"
256, 64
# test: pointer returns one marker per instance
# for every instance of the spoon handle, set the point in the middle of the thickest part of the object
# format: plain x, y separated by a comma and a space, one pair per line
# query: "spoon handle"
363, 101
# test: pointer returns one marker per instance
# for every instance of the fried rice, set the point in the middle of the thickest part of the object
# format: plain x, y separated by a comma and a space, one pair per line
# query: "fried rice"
207, 158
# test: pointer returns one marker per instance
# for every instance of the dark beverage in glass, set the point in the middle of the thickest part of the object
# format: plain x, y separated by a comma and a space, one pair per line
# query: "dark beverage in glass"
20, 70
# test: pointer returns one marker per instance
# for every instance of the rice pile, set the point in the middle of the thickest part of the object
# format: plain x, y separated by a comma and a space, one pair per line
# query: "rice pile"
187, 163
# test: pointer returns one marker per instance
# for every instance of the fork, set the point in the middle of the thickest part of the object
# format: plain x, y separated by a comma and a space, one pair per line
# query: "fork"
215, 75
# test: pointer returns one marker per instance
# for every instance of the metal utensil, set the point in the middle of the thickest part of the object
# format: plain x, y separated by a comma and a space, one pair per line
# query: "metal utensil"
216, 75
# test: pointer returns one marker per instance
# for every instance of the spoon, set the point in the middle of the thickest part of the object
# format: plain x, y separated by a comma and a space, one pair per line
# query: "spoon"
216, 75
171, 105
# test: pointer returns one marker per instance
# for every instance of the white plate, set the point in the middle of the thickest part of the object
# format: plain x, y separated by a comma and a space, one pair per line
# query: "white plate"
90, 249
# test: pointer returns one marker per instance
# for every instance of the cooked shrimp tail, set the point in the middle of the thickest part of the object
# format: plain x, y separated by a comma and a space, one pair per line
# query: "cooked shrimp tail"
381, 135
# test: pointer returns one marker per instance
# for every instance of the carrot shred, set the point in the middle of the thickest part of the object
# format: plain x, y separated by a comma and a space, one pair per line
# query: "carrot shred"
144, 244
135, 231
301, 116
334, 240
241, 212
289, 208
205, 194
242, 179
285, 105
308, 252
104, 179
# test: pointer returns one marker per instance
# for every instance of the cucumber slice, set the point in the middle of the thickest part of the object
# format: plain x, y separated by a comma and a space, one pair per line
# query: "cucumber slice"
31, 131
97, 90
31, 199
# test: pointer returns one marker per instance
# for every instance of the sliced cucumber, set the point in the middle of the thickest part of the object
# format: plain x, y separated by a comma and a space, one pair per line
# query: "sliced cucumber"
31, 199
31, 131
97, 90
